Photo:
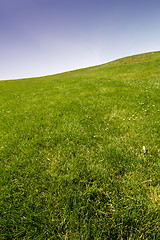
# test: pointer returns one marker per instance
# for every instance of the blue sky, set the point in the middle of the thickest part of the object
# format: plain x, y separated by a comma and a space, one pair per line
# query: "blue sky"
43, 37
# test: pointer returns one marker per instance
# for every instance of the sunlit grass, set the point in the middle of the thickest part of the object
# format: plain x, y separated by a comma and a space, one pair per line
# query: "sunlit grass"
80, 153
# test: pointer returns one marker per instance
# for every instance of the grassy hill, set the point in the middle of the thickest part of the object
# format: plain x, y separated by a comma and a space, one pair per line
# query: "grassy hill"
80, 153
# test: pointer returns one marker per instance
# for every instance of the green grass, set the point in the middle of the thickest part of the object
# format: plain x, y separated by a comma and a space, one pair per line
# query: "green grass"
80, 153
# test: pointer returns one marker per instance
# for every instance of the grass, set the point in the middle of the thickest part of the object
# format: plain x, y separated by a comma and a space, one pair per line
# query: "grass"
80, 153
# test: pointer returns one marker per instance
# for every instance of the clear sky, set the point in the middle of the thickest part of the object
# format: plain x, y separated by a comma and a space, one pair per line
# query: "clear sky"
43, 37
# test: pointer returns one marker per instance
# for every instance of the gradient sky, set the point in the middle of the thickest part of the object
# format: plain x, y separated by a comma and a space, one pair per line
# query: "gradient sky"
43, 37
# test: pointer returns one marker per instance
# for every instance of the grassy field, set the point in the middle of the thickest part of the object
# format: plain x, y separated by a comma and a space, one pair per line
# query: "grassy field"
80, 153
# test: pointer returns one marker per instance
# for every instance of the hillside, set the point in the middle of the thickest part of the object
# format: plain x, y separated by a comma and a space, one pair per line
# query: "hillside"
80, 153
